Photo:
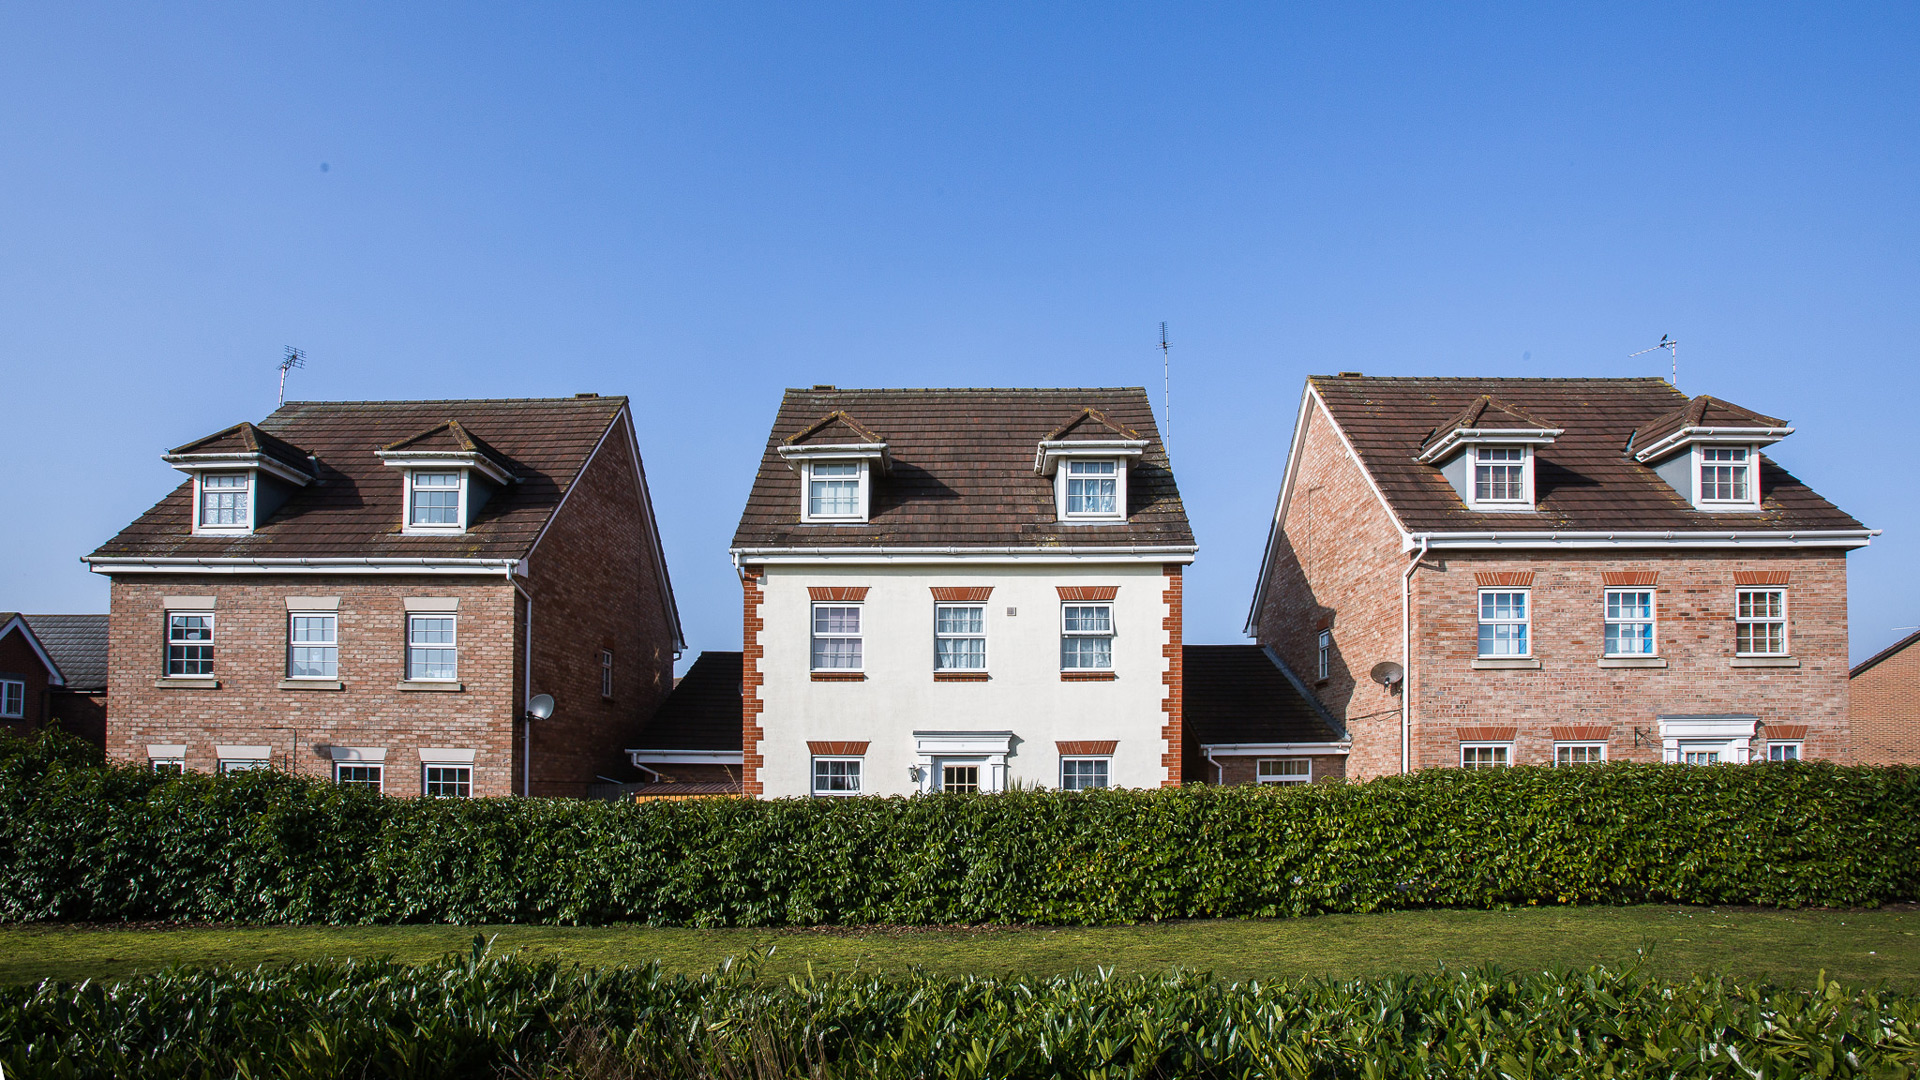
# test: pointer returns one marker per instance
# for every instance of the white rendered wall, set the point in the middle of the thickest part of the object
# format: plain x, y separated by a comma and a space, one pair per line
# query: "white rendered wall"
1025, 694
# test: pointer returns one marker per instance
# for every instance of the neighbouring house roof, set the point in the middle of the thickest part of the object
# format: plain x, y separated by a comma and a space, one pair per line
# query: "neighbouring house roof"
962, 470
12, 622
77, 645
702, 714
1584, 479
1244, 694
699, 789
353, 508
1884, 654
245, 438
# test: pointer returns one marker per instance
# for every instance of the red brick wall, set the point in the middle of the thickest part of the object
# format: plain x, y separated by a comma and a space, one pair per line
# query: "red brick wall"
751, 680
596, 585
1694, 600
81, 714
249, 708
19, 661
1245, 770
1886, 710
1336, 565
1174, 732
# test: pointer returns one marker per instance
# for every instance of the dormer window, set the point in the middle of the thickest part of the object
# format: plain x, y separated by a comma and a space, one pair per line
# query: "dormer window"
1500, 475
1724, 474
1487, 453
836, 491
1708, 451
1093, 489
433, 499
226, 503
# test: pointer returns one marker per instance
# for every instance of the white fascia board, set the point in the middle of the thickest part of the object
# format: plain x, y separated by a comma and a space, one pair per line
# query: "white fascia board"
123, 565
1462, 437
1770, 538
1046, 459
1687, 436
764, 556
837, 452
686, 757
444, 459
1243, 749
1309, 400
199, 463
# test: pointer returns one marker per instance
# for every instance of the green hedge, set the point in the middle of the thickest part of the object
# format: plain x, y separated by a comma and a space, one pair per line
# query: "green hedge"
491, 1016
88, 843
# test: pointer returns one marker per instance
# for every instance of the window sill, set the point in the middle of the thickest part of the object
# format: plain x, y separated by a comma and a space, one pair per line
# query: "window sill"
1506, 663
187, 684
447, 687
960, 676
839, 676
1766, 661
1633, 661
1087, 676
312, 684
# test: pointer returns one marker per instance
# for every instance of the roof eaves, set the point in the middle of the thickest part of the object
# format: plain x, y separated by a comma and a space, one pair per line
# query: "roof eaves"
1884, 654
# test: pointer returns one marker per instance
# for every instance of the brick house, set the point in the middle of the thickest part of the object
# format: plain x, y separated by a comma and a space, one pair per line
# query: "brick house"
691, 746
1886, 704
1486, 572
1255, 722
53, 670
961, 590
373, 591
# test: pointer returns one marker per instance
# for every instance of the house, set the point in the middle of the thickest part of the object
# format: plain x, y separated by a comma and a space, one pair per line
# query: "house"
1486, 572
1885, 706
377, 591
691, 746
53, 670
962, 590
1255, 721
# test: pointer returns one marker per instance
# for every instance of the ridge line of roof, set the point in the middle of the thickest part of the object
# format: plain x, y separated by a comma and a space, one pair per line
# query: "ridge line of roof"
1499, 378
1884, 654
457, 401
961, 389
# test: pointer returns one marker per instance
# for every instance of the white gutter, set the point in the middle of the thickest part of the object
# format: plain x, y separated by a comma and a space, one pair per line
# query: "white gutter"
954, 553
118, 564
685, 757
1406, 659
1674, 538
1241, 749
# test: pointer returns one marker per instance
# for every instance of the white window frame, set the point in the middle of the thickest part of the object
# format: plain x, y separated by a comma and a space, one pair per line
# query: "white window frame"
1715, 750
940, 635
252, 490
1607, 621
857, 773
1323, 655
814, 635
1480, 620
983, 775
1583, 745
864, 478
1278, 776
1701, 465
13, 699
1792, 750
1063, 473
234, 765
171, 766
454, 645
606, 673
462, 481
1472, 484
1504, 754
1105, 761
212, 643
427, 769
378, 784
1785, 620
334, 617
1112, 632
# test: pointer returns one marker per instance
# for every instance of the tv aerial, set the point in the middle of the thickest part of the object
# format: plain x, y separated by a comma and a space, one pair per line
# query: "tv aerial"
1673, 352
295, 358
1166, 385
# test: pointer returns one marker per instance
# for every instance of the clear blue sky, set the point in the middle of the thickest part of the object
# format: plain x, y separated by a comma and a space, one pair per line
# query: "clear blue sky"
697, 206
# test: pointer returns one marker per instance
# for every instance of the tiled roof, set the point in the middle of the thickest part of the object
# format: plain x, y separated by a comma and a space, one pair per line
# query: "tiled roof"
1486, 413
245, 438
834, 429
77, 645
703, 711
1583, 480
962, 471
1863, 665
1241, 694
1090, 424
353, 510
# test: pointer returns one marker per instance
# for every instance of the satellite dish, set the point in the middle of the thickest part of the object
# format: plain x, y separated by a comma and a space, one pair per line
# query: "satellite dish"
540, 706
1387, 674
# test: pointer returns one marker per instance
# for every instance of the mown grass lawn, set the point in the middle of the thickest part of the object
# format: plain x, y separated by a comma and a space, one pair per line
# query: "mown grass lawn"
1786, 946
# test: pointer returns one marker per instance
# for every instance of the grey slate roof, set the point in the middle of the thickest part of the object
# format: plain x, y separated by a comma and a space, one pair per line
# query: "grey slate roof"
703, 711
962, 470
1240, 694
77, 645
1584, 481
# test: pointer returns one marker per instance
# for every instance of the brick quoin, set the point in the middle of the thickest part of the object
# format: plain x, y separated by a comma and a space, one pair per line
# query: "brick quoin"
751, 679
1886, 707
1174, 733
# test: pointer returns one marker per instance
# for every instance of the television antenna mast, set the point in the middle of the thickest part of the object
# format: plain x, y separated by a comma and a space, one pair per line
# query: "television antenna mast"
295, 358
1673, 352
1166, 385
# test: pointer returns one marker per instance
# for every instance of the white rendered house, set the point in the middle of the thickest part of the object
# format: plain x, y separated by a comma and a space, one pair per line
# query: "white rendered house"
962, 590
